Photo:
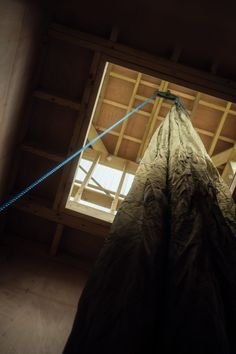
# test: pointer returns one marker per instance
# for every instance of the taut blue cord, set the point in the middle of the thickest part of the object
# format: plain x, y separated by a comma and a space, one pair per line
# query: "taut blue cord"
24, 191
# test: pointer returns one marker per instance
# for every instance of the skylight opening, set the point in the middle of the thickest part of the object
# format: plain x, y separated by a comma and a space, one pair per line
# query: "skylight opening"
108, 182
106, 169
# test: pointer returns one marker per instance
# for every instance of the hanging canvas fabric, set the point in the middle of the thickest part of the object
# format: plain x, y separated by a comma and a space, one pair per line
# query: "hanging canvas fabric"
165, 281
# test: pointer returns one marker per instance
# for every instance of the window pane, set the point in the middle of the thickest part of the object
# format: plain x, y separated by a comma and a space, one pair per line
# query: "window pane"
108, 177
127, 183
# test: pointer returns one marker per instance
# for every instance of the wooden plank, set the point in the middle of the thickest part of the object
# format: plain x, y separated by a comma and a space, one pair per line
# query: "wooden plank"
112, 161
87, 211
67, 217
125, 136
129, 108
101, 92
99, 186
43, 153
97, 198
167, 70
219, 128
195, 105
122, 77
87, 178
114, 204
65, 102
124, 106
212, 105
222, 157
81, 128
98, 145
56, 239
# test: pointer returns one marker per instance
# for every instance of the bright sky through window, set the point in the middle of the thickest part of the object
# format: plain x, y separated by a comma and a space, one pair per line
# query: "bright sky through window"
104, 180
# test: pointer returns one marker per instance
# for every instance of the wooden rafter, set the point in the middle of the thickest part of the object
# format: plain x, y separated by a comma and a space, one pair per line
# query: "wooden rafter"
219, 128
81, 126
62, 101
118, 192
95, 181
87, 178
129, 108
124, 106
98, 145
222, 158
101, 92
195, 104
67, 218
198, 80
175, 92
125, 136
167, 105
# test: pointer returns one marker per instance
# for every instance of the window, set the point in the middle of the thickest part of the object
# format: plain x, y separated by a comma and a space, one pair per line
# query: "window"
100, 187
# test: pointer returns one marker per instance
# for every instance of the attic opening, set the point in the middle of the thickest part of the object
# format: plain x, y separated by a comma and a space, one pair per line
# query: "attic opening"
106, 170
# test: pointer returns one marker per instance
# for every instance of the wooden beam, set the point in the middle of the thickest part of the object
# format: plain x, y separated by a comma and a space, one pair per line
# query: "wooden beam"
222, 157
81, 129
101, 92
124, 106
212, 105
87, 211
87, 178
112, 161
57, 99
56, 239
43, 153
67, 217
122, 77
114, 204
196, 103
175, 92
98, 145
100, 187
150, 64
219, 128
125, 136
129, 108
97, 198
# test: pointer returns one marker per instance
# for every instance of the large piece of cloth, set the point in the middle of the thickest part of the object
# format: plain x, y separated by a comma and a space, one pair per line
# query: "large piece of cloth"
165, 281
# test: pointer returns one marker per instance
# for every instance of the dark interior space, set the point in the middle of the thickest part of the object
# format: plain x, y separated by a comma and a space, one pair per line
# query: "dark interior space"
53, 58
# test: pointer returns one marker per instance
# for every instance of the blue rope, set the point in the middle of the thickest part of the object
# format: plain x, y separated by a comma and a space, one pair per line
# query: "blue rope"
24, 191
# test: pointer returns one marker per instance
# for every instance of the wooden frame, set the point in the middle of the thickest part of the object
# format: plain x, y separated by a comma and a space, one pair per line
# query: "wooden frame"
109, 51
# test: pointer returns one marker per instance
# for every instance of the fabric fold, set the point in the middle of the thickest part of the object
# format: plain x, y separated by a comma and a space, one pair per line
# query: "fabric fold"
165, 280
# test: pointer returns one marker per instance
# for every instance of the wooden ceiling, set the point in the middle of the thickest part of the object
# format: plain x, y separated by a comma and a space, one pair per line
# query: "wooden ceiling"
123, 89
123, 147
57, 117
201, 33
